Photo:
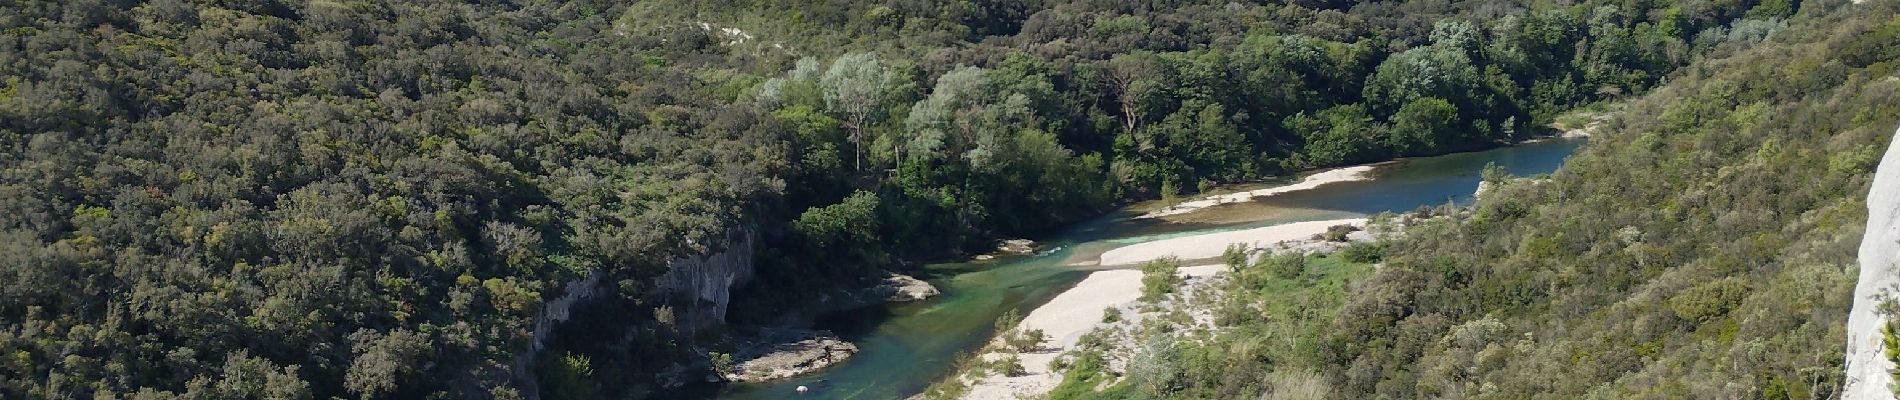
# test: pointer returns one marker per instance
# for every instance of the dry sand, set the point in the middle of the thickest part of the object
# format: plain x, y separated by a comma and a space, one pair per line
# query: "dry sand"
1354, 173
1075, 312
1212, 245
1065, 319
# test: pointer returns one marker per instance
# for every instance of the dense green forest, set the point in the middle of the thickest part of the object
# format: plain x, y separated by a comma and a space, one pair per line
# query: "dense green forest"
1701, 246
268, 199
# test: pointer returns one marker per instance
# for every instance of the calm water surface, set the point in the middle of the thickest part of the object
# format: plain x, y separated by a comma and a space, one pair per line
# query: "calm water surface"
905, 347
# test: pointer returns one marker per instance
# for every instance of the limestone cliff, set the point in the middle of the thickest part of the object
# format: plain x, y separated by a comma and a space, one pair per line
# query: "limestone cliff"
697, 290
1867, 369
561, 308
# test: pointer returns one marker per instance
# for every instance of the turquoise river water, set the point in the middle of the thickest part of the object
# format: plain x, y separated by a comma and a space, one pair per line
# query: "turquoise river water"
906, 347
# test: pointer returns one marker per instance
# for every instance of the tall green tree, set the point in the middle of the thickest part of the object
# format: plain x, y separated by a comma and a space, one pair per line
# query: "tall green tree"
856, 88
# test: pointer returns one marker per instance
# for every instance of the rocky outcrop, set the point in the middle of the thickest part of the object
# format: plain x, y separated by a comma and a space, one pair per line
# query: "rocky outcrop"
1016, 246
561, 308
697, 290
1867, 368
901, 288
892, 288
553, 313
781, 354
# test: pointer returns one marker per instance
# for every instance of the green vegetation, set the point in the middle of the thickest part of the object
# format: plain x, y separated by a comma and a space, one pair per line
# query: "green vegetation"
1290, 265
1364, 252
1687, 252
1263, 317
328, 199
1159, 278
1890, 348
1026, 340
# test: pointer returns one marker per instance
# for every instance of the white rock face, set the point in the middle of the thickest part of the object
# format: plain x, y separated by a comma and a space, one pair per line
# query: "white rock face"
1867, 369
902, 288
698, 289
561, 309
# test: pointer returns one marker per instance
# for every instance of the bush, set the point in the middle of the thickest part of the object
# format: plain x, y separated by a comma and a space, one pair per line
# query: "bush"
1027, 340
1709, 300
1159, 278
1300, 385
1236, 310
1112, 314
1494, 173
1367, 252
1289, 265
1011, 365
1009, 320
721, 362
1337, 233
1235, 256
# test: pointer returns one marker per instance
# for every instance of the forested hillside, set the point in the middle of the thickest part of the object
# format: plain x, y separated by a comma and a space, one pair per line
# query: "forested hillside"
246, 199
1701, 246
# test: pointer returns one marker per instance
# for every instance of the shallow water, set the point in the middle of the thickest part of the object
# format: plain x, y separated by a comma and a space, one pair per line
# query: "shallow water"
906, 347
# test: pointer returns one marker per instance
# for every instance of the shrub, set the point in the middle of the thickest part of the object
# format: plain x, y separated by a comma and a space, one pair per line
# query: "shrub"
1368, 252
1709, 300
1300, 385
1159, 277
1337, 233
1009, 320
1285, 265
1025, 340
1011, 365
1235, 257
721, 362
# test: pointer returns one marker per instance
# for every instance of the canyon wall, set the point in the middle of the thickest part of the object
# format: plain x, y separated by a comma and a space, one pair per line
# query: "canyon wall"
695, 293
697, 290
1867, 367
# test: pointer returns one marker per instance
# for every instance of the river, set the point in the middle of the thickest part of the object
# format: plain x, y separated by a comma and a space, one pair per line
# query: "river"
906, 347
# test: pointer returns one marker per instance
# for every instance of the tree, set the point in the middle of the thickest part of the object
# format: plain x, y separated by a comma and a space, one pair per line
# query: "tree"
1156, 367
1201, 135
1421, 125
955, 117
855, 88
845, 230
1336, 136
1134, 80
1430, 71
384, 361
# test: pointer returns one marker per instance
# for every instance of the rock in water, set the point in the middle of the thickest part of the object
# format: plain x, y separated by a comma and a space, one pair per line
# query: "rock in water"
787, 353
1016, 246
900, 288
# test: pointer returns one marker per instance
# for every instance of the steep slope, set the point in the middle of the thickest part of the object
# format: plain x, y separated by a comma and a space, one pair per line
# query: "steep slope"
1702, 245
1868, 375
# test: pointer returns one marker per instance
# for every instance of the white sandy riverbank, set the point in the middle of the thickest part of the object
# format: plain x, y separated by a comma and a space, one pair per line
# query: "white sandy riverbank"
1212, 245
1073, 313
1353, 173
1065, 319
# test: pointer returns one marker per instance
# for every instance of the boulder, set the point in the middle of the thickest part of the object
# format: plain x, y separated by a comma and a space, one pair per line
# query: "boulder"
781, 354
1016, 246
900, 288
